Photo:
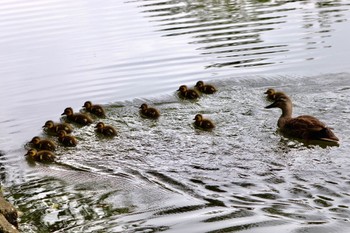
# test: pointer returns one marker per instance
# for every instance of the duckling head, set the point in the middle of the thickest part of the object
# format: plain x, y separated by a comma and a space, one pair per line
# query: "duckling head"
68, 111
61, 133
198, 117
31, 153
199, 84
182, 88
100, 125
35, 140
270, 92
144, 107
48, 124
87, 104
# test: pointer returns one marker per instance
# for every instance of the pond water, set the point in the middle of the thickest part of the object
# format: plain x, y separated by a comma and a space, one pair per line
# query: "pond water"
166, 175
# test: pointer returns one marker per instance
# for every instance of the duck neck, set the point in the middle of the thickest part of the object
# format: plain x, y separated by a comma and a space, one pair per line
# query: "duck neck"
287, 111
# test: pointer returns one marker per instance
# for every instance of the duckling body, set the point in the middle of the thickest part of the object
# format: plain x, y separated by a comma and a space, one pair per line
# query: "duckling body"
95, 109
105, 129
205, 88
40, 156
303, 127
65, 139
272, 95
78, 118
186, 93
203, 123
53, 128
43, 144
147, 112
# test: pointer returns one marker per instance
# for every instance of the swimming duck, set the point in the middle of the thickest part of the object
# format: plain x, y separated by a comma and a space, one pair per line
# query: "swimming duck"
273, 95
105, 129
65, 139
149, 112
304, 127
188, 93
43, 144
203, 123
40, 156
205, 88
94, 109
53, 128
79, 118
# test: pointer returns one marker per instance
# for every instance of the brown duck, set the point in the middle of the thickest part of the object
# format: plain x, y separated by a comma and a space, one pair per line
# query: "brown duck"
95, 109
202, 123
40, 156
205, 88
53, 128
105, 129
78, 118
66, 140
43, 144
186, 93
303, 127
272, 95
147, 112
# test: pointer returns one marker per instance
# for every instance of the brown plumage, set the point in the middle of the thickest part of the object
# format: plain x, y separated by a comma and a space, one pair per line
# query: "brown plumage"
105, 129
53, 128
65, 139
145, 111
272, 95
304, 127
43, 144
78, 118
186, 93
203, 123
95, 109
205, 88
40, 156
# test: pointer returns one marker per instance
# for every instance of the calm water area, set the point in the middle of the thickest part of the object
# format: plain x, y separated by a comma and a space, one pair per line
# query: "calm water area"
165, 175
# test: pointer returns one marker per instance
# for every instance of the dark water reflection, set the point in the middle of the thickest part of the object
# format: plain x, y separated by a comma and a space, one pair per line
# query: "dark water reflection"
166, 175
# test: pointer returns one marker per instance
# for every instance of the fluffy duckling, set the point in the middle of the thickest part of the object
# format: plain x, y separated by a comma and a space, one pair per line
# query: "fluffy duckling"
203, 123
205, 88
303, 127
149, 112
40, 156
65, 139
95, 109
78, 118
272, 95
187, 93
53, 128
43, 144
105, 129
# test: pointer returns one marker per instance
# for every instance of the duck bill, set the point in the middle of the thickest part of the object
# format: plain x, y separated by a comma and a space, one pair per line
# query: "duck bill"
63, 114
273, 105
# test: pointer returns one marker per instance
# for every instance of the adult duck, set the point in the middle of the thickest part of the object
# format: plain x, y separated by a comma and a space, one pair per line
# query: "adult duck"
303, 127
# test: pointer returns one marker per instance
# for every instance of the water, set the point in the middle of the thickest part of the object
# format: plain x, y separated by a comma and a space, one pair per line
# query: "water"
166, 175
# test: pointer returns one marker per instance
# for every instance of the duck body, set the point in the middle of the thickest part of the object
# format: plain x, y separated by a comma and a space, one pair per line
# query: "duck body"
147, 112
78, 118
186, 93
205, 88
95, 109
53, 128
43, 144
106, 130
202, 123
303, 127
40, 156
272, 95
66, 140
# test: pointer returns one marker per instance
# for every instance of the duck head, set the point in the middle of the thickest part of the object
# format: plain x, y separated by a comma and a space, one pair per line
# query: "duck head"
100, 125
199, 84
31, 153
35, 140
48, 124
144, 107
61, 133
68, 111
282, 102
198, 117
182, 88
87, 105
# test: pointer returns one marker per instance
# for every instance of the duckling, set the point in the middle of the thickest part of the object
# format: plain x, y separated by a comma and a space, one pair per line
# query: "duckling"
149, 112
43, 144
187, 93
272, 95
79, 118
53, 128
41, 156
203, 123
65, 139
205, 88
303, 127
94, 109
105, 129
